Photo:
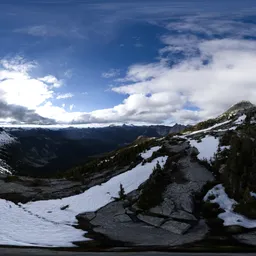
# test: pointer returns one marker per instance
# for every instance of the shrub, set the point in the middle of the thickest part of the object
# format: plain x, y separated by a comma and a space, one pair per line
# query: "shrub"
211, 210
247, 209
121, 193
153, 188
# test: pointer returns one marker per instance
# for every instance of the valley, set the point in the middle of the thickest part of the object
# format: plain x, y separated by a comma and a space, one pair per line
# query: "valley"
192, 189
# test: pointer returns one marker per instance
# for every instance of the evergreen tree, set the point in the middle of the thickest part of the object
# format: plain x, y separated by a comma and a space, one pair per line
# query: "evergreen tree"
121, 193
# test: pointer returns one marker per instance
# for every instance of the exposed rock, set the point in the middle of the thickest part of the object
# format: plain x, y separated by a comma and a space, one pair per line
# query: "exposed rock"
176, 227
122, 218
181, 215
64, 207
109, 214
126, 203
165, 208
193, 151
222, 168
154, 221
135, 208
247, 238
133, 196
87, 215
234, 229
113, 222
177, 148
140, 234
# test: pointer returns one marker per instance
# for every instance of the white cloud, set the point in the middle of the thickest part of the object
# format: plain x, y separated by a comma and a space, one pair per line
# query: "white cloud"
71, 107
84, 93
227, 78
17, 64
111, 73
51, 80
65, 96
18, 87
57, 113
63, 105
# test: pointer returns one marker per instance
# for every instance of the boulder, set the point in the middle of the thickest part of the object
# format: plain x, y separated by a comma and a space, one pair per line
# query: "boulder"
87, 215
234, 229
165, 208
175, 149
176, 227
193, 151
141, 234
122, 218
151, 220
247, 238
182, 215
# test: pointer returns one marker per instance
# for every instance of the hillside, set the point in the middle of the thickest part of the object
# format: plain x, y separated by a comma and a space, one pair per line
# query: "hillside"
42, 152
190, 189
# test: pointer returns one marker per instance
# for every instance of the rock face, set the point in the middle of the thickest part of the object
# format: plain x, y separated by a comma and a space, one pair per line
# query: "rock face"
113, 222
176, 227
247, 238
24, 189
170, 223
43, 152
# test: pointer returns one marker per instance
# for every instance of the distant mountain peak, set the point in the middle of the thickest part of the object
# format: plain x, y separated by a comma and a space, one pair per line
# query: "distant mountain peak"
238, 108
244, 104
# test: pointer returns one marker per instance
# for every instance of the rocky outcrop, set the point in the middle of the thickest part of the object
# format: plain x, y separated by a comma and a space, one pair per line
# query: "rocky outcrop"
247, 238
115, 223
171, 222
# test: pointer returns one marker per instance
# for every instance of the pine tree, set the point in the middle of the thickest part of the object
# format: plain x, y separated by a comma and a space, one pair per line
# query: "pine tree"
121, 193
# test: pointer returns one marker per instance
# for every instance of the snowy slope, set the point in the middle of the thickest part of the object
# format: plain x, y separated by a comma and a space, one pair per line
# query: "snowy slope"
149, 152
229, 216
207, 147
5, 139
43, 223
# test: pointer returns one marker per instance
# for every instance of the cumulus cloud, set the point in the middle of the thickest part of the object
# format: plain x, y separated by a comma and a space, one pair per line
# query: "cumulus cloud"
18, 114
65, 96
111, 73
21, 94
219, 76
51, 80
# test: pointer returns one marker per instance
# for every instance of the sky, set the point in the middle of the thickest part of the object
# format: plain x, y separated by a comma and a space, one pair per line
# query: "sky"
136, 62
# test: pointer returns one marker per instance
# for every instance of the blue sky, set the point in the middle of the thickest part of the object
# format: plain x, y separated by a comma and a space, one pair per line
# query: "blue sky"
101, 62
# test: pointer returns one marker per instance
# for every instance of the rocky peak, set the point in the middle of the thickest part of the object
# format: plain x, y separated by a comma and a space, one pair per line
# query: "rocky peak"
240, 106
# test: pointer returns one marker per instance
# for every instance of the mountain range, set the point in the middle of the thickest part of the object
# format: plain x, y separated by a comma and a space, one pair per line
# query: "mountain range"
42, 152
194, 189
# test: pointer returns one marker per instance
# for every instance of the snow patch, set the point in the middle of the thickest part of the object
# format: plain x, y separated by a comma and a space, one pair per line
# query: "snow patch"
5, 138
224, 147
210, 128
240, 119
148, 153
229, 217
207, 147
253, 194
